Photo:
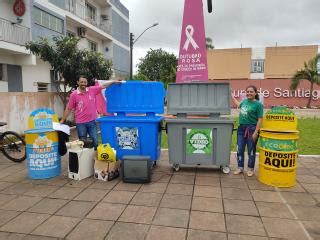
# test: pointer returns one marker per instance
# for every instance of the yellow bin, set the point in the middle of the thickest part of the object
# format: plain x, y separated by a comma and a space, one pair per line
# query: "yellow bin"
278, 158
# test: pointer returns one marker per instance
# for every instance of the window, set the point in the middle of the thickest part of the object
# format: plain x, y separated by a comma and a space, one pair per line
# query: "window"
71, 34
92, 46
91, 13
257, 66
48, 21
3, 72
42, 87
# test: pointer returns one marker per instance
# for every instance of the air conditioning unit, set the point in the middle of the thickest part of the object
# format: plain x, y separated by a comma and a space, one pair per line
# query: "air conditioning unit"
81, 32
104, 17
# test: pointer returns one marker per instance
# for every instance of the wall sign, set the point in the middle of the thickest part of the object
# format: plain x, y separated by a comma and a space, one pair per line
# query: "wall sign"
19, 8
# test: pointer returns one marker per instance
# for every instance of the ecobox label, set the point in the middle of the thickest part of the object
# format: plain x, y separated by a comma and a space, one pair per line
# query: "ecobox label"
282, 145
199, 141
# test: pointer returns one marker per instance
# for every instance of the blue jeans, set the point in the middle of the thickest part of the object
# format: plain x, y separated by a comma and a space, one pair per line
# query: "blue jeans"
244, 137
90, 128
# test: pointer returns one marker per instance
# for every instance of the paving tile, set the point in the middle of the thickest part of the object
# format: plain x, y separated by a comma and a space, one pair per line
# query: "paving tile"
205, 235
283, 228
4, 198
56, 226
91, 194
182, 189
186, 170
208, 181
138, 214
160, 233
160, 177
236, 193
77, 209
146, 199
308, 179
6, 216
245, 237
171, 217
41, 190
158, 187
207, 221
308, 213
84, 183
176, 201
57, 181
24, 223
207, 204
107, 211
244, 225
235, 183
297, 188
4, 185
209, 172
266, 196
182, 179
35, 237
11, 236
119, 197
316, 196
240, 207
121, 186
311, 187
16, 177
127, 231
256, 185
18, 188
313, 228
66, 193
298, 198
90, 229
48, 205
277, 210
207, 191
303, 170
21, 203
108, 185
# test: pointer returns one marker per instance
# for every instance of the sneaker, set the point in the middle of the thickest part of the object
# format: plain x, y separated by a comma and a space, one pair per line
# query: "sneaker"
250, 173
238, 171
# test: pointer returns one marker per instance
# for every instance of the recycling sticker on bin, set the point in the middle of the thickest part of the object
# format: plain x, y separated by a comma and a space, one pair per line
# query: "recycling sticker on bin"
199, 141
127, 138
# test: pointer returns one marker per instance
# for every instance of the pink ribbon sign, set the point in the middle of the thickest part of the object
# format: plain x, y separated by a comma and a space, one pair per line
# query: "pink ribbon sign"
192, 63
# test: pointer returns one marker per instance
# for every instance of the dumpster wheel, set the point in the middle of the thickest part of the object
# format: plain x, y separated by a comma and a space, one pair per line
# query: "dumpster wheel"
176, 167
225, 169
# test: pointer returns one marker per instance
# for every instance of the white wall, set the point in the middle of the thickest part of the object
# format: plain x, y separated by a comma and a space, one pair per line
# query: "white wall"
33, 74
6, 12
258, 53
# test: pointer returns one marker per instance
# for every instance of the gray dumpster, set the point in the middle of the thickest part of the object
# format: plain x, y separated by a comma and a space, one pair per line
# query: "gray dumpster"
197, 134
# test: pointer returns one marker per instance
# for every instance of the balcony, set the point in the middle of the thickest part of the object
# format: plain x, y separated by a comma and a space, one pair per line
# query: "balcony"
80, 10
13, 33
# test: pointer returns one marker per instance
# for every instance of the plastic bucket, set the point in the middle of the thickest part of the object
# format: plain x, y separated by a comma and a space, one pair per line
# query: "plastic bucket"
43, 159
278, 158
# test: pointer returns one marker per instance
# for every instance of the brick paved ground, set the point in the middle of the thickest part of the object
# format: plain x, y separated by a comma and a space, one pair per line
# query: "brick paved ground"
192, 204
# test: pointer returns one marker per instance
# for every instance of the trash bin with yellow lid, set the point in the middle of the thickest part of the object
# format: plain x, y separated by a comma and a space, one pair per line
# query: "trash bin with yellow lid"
43, 159
278, 146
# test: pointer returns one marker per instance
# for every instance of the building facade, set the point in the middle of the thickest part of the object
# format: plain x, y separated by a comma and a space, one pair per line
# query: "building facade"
101, 25
270, 69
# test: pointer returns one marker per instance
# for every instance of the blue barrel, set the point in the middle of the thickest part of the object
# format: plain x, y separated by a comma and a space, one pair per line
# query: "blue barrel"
43, 159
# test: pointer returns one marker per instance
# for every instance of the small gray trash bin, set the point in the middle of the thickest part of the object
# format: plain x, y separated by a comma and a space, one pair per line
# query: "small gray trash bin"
197, 135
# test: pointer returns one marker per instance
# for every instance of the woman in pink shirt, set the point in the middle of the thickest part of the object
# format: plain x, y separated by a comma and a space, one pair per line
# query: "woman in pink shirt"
82, 100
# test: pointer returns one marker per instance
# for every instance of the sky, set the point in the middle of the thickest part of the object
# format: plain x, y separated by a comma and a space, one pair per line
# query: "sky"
232, 24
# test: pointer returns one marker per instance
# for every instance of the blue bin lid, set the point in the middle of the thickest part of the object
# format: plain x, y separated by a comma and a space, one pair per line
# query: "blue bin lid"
136, 97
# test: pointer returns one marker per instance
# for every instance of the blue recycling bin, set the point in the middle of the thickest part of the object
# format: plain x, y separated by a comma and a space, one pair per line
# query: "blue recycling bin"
135, 128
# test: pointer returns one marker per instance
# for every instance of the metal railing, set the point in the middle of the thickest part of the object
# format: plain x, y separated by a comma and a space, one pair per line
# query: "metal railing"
80, 10
14, 33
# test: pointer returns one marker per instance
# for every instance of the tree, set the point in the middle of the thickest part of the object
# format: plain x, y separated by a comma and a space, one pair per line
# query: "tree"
309, 73
209, 43
68, 62
158, 65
